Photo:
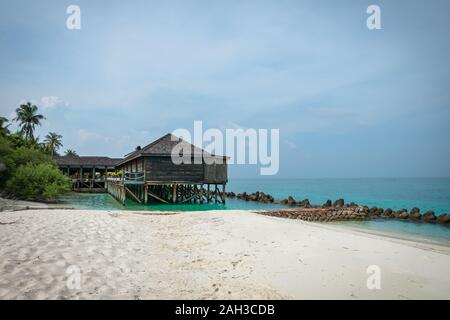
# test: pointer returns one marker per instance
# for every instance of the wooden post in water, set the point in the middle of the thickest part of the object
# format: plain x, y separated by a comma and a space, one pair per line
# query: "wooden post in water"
174, 193
91, 184
81, 177
208, 195
145, 194
223, 194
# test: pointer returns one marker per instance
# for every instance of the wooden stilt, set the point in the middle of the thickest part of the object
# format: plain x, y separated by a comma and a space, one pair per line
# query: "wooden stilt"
145, 194
156, 197
174, 193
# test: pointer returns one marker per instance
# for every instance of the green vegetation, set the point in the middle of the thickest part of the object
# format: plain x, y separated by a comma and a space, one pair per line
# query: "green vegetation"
28, 119
53, 142
41, 181
70, 152
27, 168
116, 174
4, 131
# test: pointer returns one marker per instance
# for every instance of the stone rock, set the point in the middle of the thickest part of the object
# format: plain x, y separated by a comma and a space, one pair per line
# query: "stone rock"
339, 203
327, 204
403, 215
415, 214
388, 212
444, 218
305, 203
429, 216
398, 213
291, 201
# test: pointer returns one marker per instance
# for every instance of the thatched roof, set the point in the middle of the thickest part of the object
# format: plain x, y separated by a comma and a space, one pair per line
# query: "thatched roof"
163, 147
78, 161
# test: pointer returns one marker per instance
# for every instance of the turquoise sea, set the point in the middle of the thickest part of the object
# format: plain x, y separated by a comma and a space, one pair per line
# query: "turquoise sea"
395, 193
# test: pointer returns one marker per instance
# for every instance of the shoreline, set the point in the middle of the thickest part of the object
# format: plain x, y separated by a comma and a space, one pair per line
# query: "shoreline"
19, 205
224, 254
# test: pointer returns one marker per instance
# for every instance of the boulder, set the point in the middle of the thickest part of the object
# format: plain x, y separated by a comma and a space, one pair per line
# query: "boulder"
339, 203
254, 196
291, 201
444, 219
305, 203
388, 212
242, 196
404, 215
398, 213
327, 204
415, 214
429, 216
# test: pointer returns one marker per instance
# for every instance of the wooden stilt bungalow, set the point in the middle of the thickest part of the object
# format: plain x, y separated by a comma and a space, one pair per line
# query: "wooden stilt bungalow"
150, 173
87, 174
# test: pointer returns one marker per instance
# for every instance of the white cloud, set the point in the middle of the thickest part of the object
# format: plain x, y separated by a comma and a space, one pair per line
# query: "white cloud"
50, 102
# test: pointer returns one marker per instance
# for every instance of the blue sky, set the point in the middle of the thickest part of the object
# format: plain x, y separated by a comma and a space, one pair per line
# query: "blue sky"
349, 102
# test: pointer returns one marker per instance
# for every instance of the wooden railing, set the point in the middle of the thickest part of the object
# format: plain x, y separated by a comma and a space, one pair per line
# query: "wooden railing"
129, 178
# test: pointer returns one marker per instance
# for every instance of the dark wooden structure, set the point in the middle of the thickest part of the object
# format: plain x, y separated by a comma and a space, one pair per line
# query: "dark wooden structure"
88, 174
150, 173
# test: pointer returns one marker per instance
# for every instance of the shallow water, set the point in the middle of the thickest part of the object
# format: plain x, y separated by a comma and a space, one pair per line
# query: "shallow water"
417, 231
103, 201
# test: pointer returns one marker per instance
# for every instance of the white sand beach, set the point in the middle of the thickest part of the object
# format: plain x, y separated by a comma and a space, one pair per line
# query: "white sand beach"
206, 255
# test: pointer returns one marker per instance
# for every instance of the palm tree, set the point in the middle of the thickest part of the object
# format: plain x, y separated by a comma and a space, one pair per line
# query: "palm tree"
28, 118
4, 131
53, 142
70, 152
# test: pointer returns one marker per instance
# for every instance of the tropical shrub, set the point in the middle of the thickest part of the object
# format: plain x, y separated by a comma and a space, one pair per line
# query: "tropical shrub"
43, 181
27, 168
116, 174
6, 160
24, 155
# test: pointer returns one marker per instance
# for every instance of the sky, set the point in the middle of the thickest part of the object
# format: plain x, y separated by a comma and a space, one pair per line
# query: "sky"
349, 102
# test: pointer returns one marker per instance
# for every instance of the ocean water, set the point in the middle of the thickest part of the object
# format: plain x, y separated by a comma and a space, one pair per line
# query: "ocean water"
426, 194
395, 193
417, 231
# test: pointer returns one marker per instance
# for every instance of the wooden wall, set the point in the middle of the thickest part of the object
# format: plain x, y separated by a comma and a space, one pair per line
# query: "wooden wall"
215, 173
163, 169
